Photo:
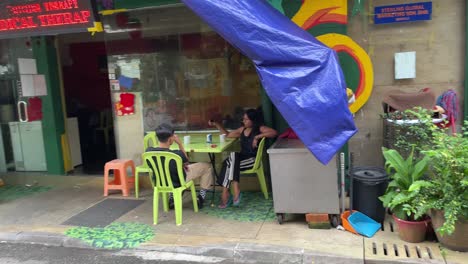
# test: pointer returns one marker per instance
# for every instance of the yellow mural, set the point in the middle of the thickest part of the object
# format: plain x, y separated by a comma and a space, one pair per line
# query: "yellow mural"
316, 12
342, 43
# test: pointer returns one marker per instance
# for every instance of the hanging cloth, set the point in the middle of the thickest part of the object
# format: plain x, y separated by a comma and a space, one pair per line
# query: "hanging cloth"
449, 102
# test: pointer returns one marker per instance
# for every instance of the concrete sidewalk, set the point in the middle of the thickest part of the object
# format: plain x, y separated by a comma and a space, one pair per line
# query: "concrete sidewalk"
37, 219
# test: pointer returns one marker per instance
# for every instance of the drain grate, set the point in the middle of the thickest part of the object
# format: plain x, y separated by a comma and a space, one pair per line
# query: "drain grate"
388, 225
386, 245
402, 250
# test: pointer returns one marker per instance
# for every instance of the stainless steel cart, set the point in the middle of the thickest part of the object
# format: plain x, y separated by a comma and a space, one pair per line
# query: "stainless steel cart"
301, 184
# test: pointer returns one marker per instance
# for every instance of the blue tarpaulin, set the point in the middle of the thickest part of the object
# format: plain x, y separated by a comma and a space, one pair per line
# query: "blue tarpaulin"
301, 76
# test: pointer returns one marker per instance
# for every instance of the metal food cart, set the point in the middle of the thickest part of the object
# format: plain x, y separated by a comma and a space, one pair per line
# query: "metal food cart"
300, 183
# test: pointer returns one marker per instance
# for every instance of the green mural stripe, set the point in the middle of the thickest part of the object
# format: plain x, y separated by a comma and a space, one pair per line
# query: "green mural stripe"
327, 28
291, 7
352, 73
277, 4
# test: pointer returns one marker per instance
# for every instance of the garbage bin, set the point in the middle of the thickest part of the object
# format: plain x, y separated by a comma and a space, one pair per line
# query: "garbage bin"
368, 184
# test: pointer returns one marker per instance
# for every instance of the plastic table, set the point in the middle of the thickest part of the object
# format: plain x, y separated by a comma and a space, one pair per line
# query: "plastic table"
198, 144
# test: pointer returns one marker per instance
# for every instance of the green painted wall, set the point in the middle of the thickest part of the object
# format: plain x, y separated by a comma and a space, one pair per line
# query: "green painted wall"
131, 4
350, 70
328, 28
52, 115
291, 7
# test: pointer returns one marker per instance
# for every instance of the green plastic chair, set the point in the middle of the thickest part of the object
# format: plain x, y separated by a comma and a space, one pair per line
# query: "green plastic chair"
258, 168
148, 140
162, 183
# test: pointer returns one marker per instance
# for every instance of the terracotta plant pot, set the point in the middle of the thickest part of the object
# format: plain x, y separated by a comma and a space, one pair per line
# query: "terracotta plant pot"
458, 240
411, 231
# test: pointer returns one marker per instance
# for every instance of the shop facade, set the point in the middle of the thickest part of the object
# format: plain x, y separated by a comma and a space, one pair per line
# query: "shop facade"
164, 64
189, 74
33, 123
167, 66
367, 53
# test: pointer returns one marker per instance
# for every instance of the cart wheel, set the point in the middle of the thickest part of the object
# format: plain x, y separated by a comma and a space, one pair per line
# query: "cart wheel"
334, 220
280, 218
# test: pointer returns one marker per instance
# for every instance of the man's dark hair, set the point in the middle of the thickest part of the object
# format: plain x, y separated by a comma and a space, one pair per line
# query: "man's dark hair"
164, 132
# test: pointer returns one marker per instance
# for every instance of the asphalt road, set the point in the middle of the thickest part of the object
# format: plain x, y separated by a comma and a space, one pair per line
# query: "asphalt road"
39, 254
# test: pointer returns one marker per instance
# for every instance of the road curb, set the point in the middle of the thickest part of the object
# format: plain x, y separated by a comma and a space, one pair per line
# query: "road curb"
221, 251
49, 239
8, 237
43, 238
255, 253
237, 252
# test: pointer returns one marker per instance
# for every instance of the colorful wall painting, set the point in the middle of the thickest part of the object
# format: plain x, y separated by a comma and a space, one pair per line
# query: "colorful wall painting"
327, 21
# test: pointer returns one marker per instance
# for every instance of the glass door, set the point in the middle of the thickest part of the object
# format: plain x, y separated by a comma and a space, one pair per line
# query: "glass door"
18, 135
8, 114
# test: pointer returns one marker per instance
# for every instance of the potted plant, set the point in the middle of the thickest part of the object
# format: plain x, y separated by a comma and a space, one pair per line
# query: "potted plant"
403, 196
446, 190
407, 131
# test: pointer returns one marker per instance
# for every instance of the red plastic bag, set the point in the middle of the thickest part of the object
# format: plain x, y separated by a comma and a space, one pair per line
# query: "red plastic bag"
34, 109
289, 133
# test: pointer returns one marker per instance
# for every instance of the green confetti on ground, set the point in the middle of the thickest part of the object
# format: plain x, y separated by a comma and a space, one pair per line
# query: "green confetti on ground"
13, 192
114, 236
253, 208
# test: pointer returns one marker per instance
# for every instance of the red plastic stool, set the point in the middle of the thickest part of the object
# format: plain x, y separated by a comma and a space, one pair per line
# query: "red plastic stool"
121, 180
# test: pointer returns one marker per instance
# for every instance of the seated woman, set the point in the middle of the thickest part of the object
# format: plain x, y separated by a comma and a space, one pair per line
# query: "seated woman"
250, 135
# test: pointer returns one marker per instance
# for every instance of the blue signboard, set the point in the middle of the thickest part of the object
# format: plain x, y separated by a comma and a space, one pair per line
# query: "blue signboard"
402, 13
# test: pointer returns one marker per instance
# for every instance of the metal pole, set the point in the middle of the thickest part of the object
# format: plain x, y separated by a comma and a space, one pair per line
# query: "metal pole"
466, 64
350, 173
342, 164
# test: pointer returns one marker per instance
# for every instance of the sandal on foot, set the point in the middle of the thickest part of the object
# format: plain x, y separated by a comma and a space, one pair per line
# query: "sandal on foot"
237, 202
225, 205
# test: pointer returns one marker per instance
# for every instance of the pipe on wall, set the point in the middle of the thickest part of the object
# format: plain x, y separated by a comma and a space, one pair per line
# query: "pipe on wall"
465, 96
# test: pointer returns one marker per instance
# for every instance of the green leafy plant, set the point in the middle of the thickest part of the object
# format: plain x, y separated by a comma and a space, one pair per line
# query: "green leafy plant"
409, 131
403, 192
447, 186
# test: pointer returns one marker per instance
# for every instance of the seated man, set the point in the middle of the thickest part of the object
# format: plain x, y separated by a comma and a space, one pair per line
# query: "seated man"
202, 170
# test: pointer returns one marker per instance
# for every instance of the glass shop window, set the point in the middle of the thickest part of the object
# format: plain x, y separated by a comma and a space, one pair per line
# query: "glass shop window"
186, 72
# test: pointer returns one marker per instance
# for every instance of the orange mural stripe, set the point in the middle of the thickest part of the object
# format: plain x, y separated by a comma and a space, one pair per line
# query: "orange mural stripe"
315, 18
334, 18
312, 7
